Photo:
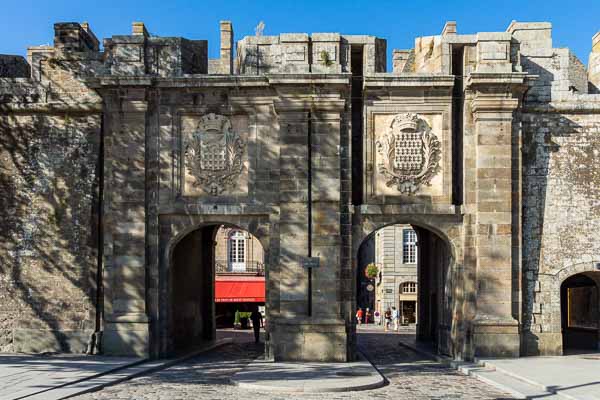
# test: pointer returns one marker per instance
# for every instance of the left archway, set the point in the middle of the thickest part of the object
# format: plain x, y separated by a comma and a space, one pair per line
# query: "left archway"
196, 261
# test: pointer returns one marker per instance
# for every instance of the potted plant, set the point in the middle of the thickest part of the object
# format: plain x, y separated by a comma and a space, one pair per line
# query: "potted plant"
244, 318
236, 320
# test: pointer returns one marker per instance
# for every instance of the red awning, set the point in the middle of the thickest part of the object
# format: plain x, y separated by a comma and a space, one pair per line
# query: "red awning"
240, 290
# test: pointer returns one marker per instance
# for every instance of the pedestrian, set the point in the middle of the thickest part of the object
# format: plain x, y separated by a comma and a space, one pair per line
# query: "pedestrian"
388, 319
377, 316
359, 315
257, 320
395, 318
367, 316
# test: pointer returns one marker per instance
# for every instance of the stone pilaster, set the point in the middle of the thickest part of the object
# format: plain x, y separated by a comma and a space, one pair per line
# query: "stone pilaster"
124, 207
496, 203
310, 191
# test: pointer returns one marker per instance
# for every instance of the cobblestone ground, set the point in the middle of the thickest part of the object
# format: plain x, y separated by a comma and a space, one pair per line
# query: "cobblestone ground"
206, 377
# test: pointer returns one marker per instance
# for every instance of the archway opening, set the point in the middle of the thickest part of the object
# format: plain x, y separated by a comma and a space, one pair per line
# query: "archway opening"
216, 282
403, 271
580, 312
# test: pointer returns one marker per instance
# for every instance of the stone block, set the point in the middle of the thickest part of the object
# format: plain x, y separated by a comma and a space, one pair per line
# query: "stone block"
41, 341
126, 339
496, 340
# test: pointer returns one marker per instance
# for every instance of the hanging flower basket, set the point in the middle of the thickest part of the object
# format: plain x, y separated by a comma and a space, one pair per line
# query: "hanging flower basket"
371, 271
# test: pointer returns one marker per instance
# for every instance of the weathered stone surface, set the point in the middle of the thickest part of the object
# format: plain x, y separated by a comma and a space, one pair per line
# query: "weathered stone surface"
97, 190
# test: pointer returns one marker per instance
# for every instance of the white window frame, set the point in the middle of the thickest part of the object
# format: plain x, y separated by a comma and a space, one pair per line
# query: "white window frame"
409, 287
409, 246
236, 251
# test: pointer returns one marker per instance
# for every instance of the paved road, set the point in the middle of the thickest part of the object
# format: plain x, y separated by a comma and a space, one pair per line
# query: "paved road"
206, 377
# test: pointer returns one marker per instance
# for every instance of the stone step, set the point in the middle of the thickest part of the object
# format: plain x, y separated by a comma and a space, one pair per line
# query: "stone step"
508, 383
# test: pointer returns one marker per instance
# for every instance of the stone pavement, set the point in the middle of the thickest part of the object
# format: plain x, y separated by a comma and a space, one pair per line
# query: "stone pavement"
309, 376
25, 375
572, 376
207, 377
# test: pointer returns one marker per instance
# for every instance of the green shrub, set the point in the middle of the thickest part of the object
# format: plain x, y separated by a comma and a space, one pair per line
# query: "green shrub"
371, 271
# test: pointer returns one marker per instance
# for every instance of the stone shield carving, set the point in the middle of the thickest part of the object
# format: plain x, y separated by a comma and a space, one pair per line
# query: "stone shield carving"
409, 153
213, 154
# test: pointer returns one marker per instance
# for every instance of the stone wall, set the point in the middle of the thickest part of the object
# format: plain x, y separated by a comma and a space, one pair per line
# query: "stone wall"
486, 143
13, 67
50, 176
301, 53
49, 196
560, 213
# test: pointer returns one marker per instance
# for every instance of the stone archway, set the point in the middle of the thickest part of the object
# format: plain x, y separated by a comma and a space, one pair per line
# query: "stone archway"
548, 338
580, 312
177, 232
441, 300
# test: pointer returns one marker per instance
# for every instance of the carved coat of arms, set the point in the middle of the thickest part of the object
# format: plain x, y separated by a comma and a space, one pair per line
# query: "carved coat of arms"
409, 153
213, 154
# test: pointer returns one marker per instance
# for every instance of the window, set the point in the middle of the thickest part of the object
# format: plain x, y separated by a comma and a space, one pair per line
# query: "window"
409, 246
409, 287
582, 311
237, 251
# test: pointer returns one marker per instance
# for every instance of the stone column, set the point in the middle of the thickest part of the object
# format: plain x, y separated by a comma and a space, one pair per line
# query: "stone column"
497, 203
125, 318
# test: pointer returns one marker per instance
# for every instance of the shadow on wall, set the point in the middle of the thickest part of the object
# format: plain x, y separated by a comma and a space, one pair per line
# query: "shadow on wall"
556, 177
49, 216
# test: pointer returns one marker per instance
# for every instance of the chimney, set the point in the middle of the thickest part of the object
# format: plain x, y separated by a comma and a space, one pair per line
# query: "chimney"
139, 29
72, 36
594, 66
399, 60
449, 28
226, 47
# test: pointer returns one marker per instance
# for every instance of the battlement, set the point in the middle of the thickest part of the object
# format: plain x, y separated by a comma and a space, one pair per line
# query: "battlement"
523, 47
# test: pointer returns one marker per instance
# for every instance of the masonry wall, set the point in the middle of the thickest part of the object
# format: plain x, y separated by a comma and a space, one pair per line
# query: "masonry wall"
50, 142
49, 231
561, 214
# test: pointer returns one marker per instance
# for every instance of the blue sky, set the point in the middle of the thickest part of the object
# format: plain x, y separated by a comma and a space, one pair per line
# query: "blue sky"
29, 22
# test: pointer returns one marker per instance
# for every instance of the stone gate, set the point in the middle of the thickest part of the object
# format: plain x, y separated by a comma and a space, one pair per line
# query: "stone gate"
118, 164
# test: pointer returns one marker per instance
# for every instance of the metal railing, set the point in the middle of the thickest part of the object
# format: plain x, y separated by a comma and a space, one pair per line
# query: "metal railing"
251, 268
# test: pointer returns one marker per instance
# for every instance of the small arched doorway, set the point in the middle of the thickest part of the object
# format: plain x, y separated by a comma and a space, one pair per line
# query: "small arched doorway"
212, 271
413, 265
580, 312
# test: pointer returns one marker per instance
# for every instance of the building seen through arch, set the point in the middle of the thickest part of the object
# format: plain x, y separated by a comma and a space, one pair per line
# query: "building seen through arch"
414, 276
239, 274
393, 250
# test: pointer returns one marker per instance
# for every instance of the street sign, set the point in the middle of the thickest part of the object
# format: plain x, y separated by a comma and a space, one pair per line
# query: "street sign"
310, 262
370, 287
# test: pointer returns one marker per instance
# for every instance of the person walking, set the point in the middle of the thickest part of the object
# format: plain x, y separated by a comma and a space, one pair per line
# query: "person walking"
395, 317
367, 316
377, 316
257, 321
388, 319
359, 315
